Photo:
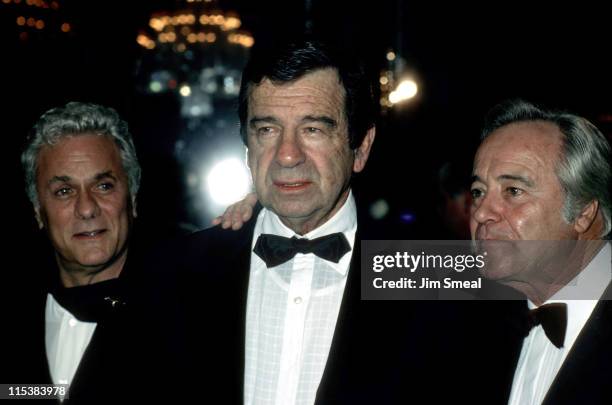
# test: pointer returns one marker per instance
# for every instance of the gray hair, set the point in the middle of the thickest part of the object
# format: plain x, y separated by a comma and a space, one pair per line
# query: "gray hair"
584, 166
76, 119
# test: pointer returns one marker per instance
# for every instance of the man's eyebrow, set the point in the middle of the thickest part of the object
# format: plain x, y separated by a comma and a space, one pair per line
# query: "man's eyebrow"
59, 179
100, 176
525, 180
330, 122
522, 179
105, 175
256, 120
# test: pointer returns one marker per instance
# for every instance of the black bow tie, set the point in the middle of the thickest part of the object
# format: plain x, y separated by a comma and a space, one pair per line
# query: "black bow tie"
91, 303
553, 318
275, 250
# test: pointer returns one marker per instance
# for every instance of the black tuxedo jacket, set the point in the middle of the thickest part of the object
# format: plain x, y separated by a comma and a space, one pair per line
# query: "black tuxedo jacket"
383, 352
585, 375
108, 371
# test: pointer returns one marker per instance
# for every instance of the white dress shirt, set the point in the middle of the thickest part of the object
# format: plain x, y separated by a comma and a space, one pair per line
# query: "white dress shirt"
540, 360
66, 339
292, 311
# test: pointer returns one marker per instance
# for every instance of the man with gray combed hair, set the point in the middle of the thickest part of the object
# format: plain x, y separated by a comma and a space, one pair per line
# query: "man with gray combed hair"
82, 176
584, 167
542, 179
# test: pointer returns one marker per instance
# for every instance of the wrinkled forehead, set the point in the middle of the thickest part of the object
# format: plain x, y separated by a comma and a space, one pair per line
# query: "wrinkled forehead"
532, 146
82, 151
320, 89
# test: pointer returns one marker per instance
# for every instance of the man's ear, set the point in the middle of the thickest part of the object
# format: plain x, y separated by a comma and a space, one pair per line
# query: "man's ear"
38, 216
363, 151
587, 217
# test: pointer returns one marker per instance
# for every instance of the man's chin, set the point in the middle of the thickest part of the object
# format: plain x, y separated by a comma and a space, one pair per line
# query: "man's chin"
90, 261
296, 210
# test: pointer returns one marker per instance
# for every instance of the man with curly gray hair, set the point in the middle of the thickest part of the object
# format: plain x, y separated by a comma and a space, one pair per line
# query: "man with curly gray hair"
82, 176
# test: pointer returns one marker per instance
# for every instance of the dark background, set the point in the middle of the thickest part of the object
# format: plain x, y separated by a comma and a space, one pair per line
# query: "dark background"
468, 58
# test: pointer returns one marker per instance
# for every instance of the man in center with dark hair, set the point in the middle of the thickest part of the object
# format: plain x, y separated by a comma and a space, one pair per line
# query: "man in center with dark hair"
274, 309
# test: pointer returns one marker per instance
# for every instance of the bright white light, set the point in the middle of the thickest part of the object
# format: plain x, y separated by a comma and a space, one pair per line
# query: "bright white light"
404, 91
185, 90
228, 181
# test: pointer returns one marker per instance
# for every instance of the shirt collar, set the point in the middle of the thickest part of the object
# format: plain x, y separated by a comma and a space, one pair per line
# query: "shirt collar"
595, 278
344, 221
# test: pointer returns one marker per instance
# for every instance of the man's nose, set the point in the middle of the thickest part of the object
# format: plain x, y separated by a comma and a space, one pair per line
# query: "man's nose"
86, 206
486, 209
289, 152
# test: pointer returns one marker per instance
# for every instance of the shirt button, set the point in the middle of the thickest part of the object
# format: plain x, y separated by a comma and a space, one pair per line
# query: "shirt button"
72, 322
297, 300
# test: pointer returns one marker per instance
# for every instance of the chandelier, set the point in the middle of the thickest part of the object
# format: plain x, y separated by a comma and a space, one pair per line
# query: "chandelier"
196, 52
194, 56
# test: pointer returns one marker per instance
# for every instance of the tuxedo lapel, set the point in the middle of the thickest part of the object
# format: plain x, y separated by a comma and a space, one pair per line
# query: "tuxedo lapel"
337, 373
585, 374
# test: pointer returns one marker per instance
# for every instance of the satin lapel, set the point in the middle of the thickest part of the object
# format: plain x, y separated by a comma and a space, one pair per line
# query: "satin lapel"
233, 259
89, 370
336, 376
586, 370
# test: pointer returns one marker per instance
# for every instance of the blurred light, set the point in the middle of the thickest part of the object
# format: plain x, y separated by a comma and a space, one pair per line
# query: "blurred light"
407, 217
406, 90
185, 90
228, 181
231, 23
384, 80
21, 20
230, 86
40, 24
390, 55
155, 86
65, 27
145, 41
210, 86
379, 209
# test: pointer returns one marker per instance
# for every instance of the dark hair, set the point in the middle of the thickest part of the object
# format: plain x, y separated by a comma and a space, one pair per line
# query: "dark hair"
290, 61
584, 166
